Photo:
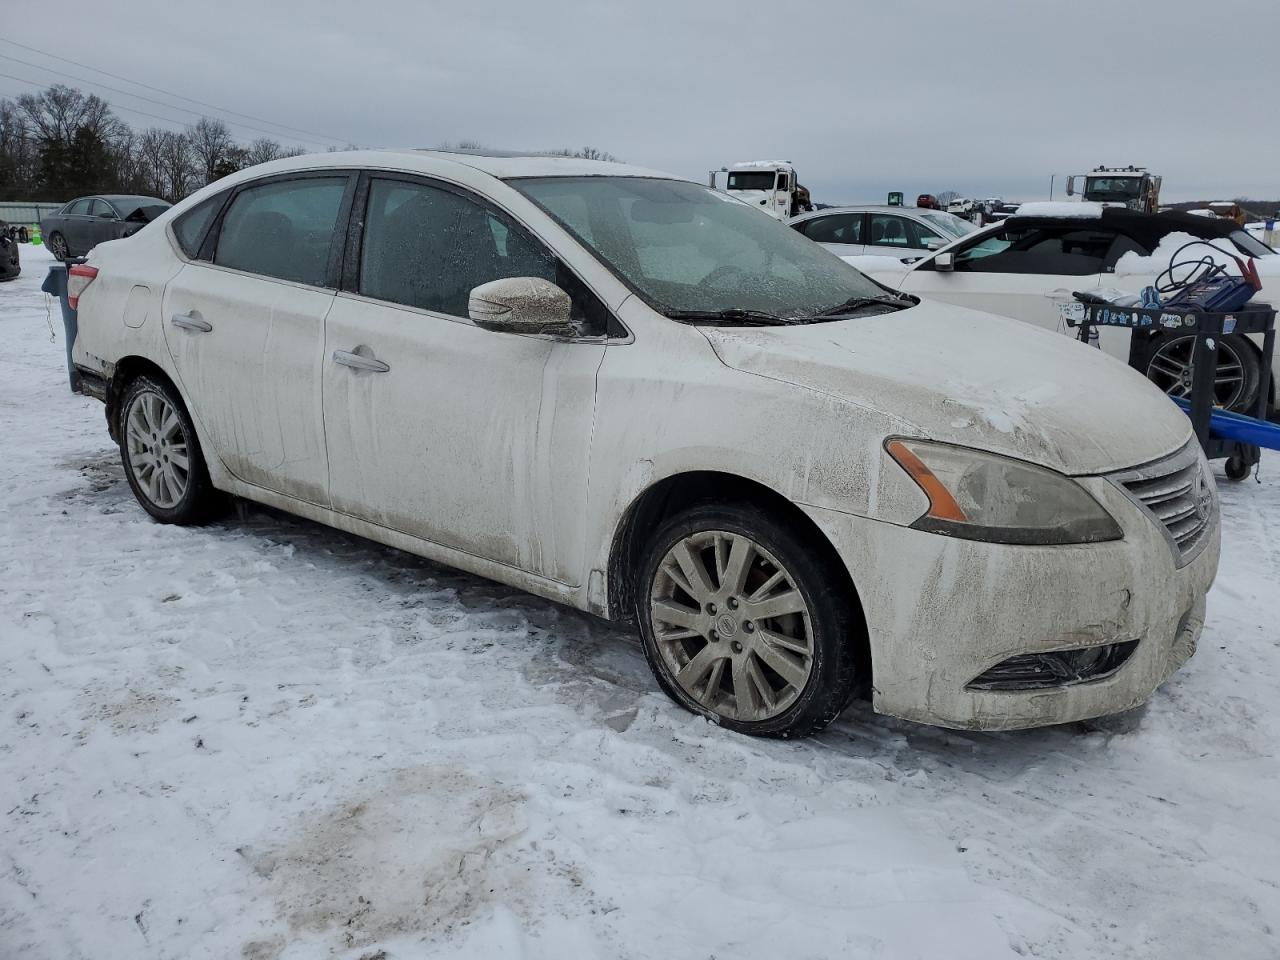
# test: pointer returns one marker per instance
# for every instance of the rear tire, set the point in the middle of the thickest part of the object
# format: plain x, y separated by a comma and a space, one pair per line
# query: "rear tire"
161, 453
758, 635
58, 246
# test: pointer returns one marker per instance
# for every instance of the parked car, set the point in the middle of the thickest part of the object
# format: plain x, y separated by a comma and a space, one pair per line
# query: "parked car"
10, 259
881, 231
621, 391
928, 201
1002, 211
87, 221
1028, 266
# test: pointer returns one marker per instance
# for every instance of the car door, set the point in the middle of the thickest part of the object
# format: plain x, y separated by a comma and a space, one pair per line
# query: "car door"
841, 233
473, 439
891, 235
244, 322
104, 222
1019, 271
77, 227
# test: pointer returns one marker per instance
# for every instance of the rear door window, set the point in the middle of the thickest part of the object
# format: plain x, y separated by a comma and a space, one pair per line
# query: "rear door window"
283, 229
836, 228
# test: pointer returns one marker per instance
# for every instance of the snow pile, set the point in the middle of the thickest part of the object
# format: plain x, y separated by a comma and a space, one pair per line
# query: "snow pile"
1059, 208
264, 739
1221, 251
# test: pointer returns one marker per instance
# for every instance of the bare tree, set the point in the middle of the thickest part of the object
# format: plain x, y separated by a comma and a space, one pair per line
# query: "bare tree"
946, 196
180, 164
56, 114
210, 140
262, 150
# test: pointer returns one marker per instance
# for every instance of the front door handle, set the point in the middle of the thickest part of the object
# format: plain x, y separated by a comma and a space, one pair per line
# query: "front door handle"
188, 322
359, 362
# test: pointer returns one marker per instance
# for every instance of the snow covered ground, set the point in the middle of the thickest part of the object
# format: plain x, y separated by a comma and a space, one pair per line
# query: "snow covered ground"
264, 739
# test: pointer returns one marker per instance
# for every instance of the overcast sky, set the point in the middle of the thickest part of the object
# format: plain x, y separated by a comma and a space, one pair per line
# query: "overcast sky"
987, 97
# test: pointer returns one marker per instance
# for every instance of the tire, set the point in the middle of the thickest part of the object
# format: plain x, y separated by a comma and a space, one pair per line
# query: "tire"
24, 235
57, 244
721, 644
1237, 469
156, 435
1239, 375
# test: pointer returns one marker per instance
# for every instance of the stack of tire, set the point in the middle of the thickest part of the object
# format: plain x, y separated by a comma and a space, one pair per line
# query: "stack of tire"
10, 263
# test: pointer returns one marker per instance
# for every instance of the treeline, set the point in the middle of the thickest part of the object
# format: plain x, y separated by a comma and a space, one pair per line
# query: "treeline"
63, 143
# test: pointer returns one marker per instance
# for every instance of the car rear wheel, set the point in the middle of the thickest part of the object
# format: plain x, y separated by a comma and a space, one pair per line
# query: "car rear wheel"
745, 623
58, 246
161, 454
1236, 378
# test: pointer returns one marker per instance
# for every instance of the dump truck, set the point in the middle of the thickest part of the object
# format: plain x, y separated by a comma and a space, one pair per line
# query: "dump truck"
1131, 187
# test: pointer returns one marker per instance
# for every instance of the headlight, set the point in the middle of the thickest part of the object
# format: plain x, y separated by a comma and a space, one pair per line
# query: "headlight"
982, 496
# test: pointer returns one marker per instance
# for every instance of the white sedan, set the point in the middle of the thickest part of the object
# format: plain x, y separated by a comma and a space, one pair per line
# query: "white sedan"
881, 230
634, 395
1028, 266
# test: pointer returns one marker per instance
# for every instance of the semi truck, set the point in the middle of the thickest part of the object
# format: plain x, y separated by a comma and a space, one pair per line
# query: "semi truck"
1131, 187
771, 185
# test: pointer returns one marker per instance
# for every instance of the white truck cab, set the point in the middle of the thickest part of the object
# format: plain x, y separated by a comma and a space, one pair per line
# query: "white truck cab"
771, 185
1131, 187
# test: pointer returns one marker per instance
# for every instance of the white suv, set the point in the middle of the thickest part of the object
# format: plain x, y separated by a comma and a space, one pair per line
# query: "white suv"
632, 394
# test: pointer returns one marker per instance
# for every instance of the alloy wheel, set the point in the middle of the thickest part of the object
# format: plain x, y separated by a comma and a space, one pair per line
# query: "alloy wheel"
731, 626
1171, 369
58, 246
157, 449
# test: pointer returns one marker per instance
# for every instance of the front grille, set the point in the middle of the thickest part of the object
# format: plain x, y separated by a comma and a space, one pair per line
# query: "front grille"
1178, 494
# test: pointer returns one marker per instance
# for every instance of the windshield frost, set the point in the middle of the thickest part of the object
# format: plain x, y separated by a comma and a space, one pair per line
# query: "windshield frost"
685, 247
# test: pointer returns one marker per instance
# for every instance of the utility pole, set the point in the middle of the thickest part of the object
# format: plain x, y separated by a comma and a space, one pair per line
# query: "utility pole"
1051, 176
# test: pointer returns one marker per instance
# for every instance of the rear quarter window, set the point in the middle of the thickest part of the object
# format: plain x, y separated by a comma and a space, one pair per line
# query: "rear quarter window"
192, 227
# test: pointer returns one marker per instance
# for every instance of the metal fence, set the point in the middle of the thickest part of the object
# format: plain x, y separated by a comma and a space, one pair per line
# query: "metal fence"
20, 212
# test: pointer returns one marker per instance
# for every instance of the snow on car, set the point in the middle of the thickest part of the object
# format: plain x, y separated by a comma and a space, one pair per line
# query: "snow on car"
1028, 266
627, 393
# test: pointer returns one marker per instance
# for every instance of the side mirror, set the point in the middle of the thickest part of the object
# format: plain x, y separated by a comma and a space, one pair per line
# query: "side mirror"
1071, 186
946, 262
528, 305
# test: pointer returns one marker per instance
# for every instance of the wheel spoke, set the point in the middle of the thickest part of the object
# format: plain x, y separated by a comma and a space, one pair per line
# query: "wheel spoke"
170, 424
1166, 366
734, 577
745, 692
697, 583
781, 640
699, 666
766, 588
784, 665
676, 614
779, 606
178, 457
711, 689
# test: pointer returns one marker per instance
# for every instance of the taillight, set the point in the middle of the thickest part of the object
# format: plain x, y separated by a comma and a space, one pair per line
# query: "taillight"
78, 279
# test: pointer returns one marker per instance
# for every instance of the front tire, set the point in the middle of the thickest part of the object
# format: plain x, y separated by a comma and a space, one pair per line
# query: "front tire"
161, 453
1237, 376
746, 623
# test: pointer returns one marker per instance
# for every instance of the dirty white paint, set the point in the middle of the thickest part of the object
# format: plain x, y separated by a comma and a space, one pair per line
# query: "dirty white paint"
517, 457
266, 740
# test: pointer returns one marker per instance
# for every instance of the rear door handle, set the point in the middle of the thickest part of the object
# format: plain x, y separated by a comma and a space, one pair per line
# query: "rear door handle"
188, 322
358, 362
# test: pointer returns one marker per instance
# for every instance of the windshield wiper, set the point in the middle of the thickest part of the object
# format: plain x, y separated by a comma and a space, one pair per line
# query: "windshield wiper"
732, 316
857, 303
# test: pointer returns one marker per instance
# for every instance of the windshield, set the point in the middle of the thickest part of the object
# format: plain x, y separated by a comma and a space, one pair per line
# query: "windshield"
952, 226
1112, 188
685, 247
1250, 245
753, 180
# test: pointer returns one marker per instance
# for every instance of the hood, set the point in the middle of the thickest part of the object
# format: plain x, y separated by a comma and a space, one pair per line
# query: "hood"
973, 379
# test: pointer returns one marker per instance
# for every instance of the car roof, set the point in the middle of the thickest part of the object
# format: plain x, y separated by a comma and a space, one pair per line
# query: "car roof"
122, 197
868, 208
1147, 228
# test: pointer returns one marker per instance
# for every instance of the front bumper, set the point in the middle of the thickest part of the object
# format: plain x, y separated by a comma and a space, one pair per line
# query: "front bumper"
940, 611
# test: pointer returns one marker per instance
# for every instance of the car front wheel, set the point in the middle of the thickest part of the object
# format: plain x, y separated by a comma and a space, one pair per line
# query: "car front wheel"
745, 623
161, 454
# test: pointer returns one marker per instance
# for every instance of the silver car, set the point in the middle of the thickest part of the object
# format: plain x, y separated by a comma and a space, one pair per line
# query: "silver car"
881, 231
